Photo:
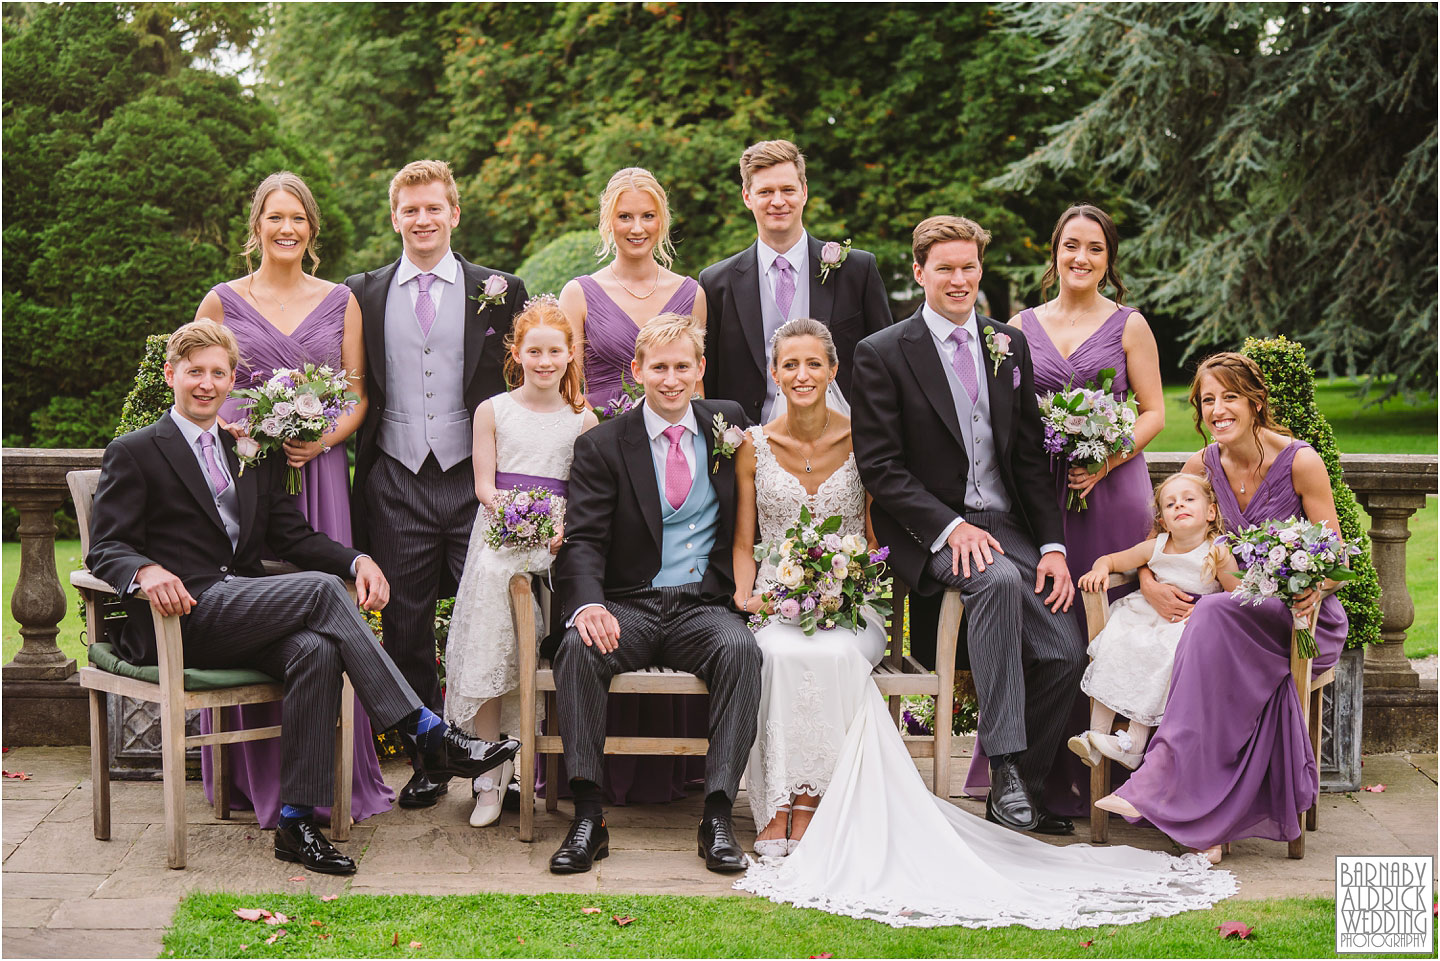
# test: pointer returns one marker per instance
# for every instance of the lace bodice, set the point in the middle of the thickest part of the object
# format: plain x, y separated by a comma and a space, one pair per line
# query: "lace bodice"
779, 495
517, 429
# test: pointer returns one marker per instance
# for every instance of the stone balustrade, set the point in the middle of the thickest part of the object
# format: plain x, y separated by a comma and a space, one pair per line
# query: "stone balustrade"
1390, 487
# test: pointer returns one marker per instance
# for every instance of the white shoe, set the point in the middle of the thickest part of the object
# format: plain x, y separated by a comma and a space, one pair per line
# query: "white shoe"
1080, 745
772, 847
1112, 747
793, 843
489, 789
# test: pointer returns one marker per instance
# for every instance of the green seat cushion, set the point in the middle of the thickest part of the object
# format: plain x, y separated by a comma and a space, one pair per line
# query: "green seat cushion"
104, 657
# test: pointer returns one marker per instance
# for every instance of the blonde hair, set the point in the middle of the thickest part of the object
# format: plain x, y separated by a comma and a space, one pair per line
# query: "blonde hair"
668, 328
418, 173
544, 311
198, 335
770, 153
634, 178
1216, 527
295, 187
938, 230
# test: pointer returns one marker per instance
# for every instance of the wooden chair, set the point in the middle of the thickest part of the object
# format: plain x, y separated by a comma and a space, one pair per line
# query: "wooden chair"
1097, 612
177, 690
896, 675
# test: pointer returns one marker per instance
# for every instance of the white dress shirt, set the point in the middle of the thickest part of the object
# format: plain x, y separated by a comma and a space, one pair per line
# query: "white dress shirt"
445, 273
798, 258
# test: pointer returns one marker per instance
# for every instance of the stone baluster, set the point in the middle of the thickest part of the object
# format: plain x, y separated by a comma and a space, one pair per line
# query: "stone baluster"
38, 603
1385, 664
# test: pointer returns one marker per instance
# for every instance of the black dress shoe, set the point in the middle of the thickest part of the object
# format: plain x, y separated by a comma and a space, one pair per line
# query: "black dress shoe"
1052, 823
423, 789
718, 846
454, 754
1009, 802
511, 800
587, 842
302, 841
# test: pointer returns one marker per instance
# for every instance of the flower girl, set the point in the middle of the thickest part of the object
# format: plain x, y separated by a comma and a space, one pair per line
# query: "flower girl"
1130, 660
524, 442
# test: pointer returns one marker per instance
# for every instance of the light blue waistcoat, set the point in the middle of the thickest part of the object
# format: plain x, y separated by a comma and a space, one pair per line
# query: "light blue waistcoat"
687, 532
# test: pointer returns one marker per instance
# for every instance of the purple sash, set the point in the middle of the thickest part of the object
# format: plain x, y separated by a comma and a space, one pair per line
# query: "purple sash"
505, 481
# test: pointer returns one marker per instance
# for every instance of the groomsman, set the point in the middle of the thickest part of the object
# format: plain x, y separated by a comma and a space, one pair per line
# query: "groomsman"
783, 275
948, 441
435, 327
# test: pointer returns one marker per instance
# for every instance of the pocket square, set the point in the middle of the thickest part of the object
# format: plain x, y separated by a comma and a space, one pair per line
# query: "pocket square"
492, 330
1015, 377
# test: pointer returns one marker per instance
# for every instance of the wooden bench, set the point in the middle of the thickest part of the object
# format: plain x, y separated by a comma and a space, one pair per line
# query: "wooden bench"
896, 675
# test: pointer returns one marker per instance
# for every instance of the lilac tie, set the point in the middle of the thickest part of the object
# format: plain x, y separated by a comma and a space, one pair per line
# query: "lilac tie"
424, 306
677, 472
218, 480
964, 364
784, 287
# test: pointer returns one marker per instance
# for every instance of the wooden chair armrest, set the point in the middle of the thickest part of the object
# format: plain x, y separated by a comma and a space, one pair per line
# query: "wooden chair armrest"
86, 581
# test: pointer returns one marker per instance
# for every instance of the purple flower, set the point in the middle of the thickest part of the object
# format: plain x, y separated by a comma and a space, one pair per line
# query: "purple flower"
816, 553
496, 285
808, 604
913, 725
790, 608
879, 555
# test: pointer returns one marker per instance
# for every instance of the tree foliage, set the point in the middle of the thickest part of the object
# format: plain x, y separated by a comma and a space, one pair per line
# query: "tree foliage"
1283, 157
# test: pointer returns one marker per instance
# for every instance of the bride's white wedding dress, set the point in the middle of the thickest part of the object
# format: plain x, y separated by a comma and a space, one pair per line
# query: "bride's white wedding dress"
881, 846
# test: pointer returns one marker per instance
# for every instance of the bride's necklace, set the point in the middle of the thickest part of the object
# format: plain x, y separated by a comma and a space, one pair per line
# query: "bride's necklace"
808, 468
644, 296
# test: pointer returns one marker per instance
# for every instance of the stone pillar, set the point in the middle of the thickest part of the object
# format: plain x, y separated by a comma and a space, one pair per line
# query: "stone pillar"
38, 603
1385, 664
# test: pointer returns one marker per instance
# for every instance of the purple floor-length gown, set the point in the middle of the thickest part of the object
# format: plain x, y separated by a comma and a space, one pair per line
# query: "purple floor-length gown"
630, 779
1119, 516
325, 502
1231, 758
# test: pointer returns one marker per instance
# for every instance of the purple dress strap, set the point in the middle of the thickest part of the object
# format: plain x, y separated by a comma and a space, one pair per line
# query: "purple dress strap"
610, 337
504, 480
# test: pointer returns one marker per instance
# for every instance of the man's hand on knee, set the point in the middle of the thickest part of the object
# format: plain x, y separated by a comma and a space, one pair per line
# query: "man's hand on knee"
598, 628
372, 590
165, 591
970, 544
1062, 594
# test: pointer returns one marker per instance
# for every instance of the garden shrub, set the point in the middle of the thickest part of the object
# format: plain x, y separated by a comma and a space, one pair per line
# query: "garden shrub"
1292, 394
150, 396
562, 259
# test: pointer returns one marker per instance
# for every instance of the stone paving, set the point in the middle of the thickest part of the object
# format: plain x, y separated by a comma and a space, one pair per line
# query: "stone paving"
67, 895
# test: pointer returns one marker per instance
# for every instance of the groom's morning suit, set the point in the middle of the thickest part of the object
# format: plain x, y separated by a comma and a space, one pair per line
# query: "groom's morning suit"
929, 454
743, 314
155, 505
414, 498
665, 574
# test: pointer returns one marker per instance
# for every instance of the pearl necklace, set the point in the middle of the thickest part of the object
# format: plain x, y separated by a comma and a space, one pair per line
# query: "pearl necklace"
653, 287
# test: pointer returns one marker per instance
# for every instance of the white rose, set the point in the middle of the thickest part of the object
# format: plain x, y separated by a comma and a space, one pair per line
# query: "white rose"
283, 409
734, 436
840, 563
853, 543
1277, 554
309, 405
522, 500
1301, 561
789, 573
1289, 535
270, 427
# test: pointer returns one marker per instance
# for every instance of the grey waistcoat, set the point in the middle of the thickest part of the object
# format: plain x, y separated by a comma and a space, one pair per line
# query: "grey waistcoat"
425, 394
985, 487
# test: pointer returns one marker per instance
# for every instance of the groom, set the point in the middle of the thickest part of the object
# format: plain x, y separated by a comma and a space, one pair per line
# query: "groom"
645, 578
948, 441
434, 349
778, 278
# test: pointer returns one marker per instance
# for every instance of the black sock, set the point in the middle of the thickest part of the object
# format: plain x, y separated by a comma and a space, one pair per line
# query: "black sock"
587, 798
717, 804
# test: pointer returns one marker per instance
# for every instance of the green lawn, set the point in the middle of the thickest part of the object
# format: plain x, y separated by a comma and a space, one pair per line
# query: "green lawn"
554, 925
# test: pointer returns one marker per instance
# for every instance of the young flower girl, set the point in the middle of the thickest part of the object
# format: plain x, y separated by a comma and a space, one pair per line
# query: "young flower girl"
1130, 660
524, 442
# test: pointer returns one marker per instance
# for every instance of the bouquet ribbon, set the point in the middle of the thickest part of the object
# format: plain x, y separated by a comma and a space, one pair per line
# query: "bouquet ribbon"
504, 480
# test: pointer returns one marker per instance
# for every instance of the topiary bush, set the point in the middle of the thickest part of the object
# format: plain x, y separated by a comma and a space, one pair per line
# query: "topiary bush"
560, 261
150, 396
1292, 393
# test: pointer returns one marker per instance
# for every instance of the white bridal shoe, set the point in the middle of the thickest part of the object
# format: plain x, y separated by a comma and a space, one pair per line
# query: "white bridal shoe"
489, 789
792, 843
774, 847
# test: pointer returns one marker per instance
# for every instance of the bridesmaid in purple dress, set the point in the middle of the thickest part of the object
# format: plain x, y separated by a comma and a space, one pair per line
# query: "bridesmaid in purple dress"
283, 317
1072, 338
606, 309
1231, 758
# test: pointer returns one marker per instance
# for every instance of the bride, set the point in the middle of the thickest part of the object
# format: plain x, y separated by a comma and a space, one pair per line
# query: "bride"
881, 846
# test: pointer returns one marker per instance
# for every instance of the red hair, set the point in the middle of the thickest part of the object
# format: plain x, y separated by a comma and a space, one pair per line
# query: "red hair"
544, 311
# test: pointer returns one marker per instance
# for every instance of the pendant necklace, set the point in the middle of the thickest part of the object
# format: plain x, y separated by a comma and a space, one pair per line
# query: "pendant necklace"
645, 296
808, 469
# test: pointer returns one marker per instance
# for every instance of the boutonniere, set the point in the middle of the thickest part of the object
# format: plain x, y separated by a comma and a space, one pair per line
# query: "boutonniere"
832, 255
998, 345
728, 439
493, 291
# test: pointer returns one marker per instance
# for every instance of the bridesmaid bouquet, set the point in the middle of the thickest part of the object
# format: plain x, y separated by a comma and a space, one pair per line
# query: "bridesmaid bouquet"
520, 519
824, 579
1285, 558
629, 399
1085, 425
300, 403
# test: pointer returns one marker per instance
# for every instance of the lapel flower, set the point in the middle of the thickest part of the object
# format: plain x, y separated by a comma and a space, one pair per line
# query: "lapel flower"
728, 439
998, 345
832, 255
493, 291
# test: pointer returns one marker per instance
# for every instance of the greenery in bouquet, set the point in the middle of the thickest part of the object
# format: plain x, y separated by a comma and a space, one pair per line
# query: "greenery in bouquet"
1284, 558
630, 397
301, 404
1085, 425
822, 580
520, 519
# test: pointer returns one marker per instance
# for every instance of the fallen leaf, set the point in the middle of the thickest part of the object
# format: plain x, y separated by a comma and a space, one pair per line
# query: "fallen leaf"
276, 936
395, 940
589, 910
1374, 788
519, 939
329, 897
622, 921
324, 937
17, 775
317, 924
1087, 944
824, 954
251, 914
244, 947
1235, 929
417, 944
275, 918
249, 837
298, 877
1437, 909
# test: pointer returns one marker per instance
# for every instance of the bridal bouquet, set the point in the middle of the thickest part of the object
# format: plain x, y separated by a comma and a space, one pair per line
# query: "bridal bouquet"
302, 404
520, 519
1085, 425
823, 579
1285, 558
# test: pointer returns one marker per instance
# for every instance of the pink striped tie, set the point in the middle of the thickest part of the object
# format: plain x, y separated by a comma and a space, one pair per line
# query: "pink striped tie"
677, 472
424, 306
964, 364
218, 480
